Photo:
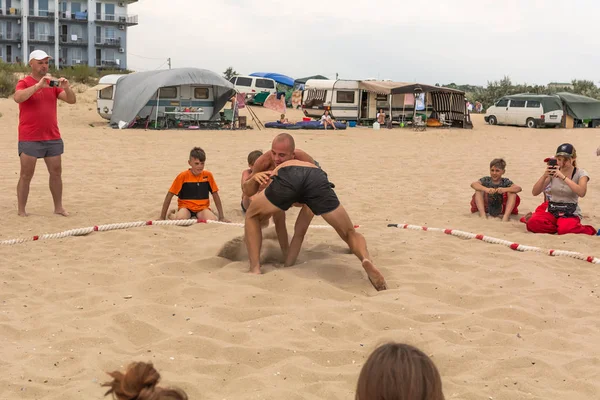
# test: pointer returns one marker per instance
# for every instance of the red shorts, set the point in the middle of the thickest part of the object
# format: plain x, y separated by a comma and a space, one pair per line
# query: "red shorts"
515, 210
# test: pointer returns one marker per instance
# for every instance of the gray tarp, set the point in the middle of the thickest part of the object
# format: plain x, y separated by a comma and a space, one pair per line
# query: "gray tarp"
134, 90
580, 107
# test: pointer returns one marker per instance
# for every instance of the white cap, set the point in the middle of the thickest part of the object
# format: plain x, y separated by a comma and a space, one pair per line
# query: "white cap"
38, 55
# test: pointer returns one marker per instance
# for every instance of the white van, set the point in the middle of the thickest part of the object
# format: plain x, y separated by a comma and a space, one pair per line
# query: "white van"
253, 84
531, 111
106, 95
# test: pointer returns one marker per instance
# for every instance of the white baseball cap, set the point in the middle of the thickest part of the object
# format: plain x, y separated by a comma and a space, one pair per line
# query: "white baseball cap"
38, 55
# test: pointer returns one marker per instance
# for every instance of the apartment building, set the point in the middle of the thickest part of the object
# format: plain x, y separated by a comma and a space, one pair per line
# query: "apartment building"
92, 32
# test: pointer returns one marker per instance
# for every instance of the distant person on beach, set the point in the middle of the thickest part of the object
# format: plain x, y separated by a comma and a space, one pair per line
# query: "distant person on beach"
562, 183
283, 119
396, 371
494, 194
252, 157
283, 148
39, 136
139, 382
326, 120
192, 187
303, 182
381, 117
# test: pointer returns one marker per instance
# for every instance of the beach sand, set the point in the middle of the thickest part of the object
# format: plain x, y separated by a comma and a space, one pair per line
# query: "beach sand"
499, 324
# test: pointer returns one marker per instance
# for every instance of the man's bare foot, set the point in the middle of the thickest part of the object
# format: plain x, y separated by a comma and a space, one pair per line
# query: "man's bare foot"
61, 211
23, 214
376, 278
255, 270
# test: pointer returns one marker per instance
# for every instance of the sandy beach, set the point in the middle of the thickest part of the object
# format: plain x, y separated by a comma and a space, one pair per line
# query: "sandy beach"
499, 324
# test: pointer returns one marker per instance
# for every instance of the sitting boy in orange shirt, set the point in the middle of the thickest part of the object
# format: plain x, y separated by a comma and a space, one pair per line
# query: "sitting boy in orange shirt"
192, 188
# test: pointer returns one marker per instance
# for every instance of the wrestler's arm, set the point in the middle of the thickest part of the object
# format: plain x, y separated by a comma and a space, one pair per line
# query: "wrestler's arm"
303, 156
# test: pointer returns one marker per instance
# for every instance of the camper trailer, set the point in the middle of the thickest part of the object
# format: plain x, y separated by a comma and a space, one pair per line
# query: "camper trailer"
170, 98
106, 95
354, 100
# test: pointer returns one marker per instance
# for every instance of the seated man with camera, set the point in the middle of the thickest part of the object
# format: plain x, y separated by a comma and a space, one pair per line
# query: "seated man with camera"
37, 95
562, 183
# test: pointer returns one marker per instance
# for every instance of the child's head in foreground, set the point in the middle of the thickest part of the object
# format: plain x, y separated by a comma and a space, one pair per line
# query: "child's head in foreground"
253, 156
397, 371
497, 168
197, 160
139, 383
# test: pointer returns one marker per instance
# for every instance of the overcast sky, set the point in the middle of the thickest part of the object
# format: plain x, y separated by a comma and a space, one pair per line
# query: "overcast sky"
438, 41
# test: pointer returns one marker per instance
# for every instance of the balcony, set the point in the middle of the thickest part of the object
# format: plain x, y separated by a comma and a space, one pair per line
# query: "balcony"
10, 13
107, 63
73, 40
79, 17
10, 37
107, 42
73, 63
41, 38
122, 19
42, 14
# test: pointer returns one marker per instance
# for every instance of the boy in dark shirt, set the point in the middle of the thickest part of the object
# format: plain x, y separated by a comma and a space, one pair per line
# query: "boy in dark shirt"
494, 194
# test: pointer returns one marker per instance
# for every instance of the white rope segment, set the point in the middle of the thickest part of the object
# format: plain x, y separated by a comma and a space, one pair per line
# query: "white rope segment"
127, 225
507, 243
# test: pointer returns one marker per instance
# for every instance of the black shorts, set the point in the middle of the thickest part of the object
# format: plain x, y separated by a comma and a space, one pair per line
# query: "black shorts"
42, 149
310, 186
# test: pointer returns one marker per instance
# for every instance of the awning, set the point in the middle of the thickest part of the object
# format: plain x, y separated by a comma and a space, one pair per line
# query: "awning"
380, 87
101, 86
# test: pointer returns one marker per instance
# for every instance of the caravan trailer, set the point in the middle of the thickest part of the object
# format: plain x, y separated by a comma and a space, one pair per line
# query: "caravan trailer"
106, 95
182, 96
339, 97
353, 100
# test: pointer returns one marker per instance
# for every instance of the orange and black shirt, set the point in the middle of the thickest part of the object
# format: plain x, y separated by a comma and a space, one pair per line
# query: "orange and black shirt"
192, 190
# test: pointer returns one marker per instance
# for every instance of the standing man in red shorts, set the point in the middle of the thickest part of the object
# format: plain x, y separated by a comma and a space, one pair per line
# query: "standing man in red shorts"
39, 136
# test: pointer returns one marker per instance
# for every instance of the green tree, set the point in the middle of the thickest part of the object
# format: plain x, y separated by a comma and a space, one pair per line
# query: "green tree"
229, 73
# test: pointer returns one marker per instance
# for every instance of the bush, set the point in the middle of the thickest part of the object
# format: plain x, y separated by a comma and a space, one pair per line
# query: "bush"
8, 81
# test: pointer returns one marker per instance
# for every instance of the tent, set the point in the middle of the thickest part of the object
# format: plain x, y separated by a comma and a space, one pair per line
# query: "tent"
279, 78
303, 80
133, 91
450, 102
580, 107
299, 83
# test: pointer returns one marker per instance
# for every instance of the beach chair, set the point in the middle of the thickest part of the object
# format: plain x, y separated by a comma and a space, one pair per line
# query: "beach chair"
228, 117
445, 122
418, 124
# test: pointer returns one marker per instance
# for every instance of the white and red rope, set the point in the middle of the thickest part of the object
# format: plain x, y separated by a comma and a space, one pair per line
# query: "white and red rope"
507, 243
126, 225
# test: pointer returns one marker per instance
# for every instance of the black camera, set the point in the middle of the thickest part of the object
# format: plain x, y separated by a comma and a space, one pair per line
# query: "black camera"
53, 83
552, 162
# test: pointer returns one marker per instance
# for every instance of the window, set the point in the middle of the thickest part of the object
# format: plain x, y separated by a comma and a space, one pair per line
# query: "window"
42, 7
232, 80
345, 96
381, 97
109, 33
109, 55
168, 92
75, 7
201, 93
502, 103
77, 30
107, 93
243, 81
77, 54
517, 103
533, 104
265, 84
109, 11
